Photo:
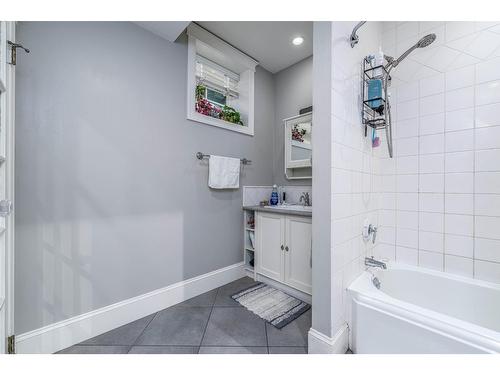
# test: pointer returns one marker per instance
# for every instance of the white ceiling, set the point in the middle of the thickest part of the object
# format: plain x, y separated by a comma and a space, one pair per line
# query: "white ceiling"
268, 42
167, 30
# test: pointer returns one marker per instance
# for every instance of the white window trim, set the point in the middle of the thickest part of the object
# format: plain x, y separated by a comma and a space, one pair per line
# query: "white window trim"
195, 34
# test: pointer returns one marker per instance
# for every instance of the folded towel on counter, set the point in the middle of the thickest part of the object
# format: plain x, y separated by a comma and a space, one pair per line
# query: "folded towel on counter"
223, 173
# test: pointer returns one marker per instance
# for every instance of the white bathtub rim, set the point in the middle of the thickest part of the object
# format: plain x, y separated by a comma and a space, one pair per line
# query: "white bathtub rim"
441, 326
363, 292
463, 279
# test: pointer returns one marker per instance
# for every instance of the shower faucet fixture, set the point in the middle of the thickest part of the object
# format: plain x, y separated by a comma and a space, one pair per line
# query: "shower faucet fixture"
372, 262
369, 230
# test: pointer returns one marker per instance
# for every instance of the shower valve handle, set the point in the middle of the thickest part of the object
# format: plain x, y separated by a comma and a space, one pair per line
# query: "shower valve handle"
373, 231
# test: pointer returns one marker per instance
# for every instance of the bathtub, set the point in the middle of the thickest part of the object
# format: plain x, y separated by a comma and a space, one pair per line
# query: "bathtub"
423, 311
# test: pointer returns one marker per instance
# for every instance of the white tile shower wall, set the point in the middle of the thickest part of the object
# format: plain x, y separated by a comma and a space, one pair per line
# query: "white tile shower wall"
443, 211
354, 181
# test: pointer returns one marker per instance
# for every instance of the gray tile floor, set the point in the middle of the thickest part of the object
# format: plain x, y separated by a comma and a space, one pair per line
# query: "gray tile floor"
211, 323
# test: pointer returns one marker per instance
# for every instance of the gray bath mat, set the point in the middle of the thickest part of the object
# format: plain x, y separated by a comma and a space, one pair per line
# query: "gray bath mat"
272, 305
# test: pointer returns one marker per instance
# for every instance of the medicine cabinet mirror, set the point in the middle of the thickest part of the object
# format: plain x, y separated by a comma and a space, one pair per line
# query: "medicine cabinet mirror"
298, 146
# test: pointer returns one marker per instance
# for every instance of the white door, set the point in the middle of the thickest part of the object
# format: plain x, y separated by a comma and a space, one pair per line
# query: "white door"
298, 253
270, 245
7, 33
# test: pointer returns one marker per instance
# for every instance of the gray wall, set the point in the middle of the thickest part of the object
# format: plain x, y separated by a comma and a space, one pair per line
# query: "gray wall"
293, 87
110, 200
321, 189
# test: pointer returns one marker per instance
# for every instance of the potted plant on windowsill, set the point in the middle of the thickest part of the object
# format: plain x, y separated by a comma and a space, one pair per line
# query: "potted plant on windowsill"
205, 107
229, 114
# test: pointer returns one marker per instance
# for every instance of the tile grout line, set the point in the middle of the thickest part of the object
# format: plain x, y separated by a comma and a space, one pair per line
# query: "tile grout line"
267, 338
444, 175
474, 176
142, 332
419, 179
208, 320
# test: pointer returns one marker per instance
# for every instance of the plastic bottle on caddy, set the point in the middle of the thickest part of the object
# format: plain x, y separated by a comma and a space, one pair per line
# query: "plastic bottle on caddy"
375, 86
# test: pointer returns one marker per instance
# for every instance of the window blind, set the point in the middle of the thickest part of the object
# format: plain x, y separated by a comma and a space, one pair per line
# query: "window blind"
216, 77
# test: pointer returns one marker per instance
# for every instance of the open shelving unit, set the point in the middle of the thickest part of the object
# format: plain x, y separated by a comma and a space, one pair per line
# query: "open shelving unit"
248, 246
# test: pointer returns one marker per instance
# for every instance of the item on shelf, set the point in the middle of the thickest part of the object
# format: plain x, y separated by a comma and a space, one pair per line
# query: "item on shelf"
251, 237
264, 203
274, 196
375, 139
305, 110
200, 92
207, 108
298, 134
251, 221
230, 115
375, 95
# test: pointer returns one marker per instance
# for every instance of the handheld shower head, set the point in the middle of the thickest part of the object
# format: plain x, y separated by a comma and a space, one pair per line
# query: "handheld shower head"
426, 40
422, 43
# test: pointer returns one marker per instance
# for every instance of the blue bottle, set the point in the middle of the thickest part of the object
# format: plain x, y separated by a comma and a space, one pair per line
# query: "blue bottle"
274, 196
375, 85
374, 93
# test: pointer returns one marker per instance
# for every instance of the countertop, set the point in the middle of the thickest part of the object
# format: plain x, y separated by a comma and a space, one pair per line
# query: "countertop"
281, 211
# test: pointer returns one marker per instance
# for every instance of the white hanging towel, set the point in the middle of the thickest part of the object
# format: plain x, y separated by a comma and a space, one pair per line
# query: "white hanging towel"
223, 173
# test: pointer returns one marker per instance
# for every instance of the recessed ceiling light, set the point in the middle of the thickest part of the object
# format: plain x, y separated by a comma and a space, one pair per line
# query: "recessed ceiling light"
297, 41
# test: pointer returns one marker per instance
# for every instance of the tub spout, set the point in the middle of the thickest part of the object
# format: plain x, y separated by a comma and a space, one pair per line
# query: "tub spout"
371, 262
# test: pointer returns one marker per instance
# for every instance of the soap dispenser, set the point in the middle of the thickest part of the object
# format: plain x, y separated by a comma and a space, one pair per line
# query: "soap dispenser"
274, 196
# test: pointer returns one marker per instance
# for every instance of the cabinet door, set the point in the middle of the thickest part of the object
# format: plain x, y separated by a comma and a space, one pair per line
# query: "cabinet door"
298, 253
270, 231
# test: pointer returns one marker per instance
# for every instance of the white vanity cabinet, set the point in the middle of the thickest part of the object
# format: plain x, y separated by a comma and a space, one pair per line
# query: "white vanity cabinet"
284, 249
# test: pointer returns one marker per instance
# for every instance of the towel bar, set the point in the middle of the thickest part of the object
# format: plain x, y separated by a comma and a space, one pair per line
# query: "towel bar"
201, 156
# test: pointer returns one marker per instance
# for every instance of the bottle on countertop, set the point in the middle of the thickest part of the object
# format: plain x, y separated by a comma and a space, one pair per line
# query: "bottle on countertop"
274, 196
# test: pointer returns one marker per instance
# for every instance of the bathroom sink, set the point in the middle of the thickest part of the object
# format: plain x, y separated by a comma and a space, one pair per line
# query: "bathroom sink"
294, 207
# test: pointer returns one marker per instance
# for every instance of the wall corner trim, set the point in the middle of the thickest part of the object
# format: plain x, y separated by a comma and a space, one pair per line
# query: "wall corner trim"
63, 334
322, 344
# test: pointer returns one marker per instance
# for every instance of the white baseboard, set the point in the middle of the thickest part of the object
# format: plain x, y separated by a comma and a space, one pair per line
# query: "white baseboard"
322, 344
58, 336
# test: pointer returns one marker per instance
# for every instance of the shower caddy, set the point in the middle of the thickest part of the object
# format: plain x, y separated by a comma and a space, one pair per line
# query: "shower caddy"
370, 117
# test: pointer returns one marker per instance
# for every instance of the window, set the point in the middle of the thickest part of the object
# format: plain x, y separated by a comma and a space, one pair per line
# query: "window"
220, 83
215, 97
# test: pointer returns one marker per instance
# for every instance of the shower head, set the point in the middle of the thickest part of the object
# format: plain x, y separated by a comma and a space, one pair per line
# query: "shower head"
422, 43
426, 40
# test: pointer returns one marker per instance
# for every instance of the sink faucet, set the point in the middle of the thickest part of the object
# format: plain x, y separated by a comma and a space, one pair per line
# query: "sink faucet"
305, 197
371, 262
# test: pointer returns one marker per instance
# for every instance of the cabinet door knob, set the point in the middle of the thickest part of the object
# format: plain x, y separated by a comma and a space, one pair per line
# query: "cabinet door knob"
286, 248
282, 247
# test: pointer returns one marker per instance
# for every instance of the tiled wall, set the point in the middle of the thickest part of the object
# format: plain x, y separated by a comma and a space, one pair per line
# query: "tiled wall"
440, 195
253, 195
353, 179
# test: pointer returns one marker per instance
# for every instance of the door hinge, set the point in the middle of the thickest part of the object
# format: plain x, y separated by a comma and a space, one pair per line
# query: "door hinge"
11, 344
